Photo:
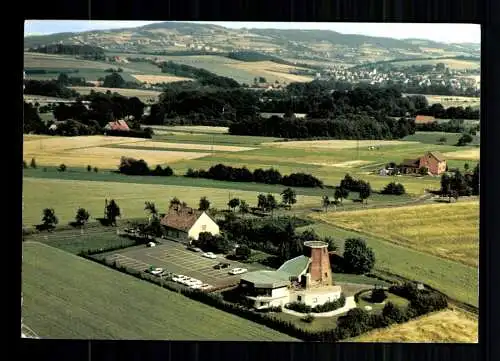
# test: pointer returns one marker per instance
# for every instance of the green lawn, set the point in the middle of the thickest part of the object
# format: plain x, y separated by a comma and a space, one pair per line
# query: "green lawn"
72, 298
364, 300
434, 138
457, 280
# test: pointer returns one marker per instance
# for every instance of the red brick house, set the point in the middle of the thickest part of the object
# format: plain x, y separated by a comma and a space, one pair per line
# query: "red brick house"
433, 161
423, 119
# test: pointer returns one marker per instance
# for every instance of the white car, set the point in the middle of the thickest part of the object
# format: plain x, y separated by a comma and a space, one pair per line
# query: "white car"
237, 271
195, 286
209, 255
156, 271
205, 286
178, 278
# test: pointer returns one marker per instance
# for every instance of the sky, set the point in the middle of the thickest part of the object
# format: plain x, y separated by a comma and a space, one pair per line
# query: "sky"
446, 33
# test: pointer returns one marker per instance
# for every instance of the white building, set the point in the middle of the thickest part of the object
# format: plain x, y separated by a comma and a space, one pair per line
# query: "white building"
305, 279
185, 222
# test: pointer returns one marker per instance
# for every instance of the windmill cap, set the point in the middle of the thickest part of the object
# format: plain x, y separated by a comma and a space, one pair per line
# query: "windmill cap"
315, 244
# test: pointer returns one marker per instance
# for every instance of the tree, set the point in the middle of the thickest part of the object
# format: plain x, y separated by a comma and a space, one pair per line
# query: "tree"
244, 208
49, 219
394, 188
62, 168
392, 313
442, 140
114, 80
341, 193
466, 167
151, 208
289, 196
33, 163
204, 204
365, 192
326, 202
96, 169
112, 212
262, 202
89, 168
475, 180
243, 252
175, 203
332, 246
423, 170
464, 139
271, 203
359, 258
82, 216
233, 203
446, 190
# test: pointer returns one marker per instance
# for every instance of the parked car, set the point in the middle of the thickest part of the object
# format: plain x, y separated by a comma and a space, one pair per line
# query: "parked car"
155, 271
237, 271
205, 286
221, 265
195, 286
151, 244
209, 255
193, 248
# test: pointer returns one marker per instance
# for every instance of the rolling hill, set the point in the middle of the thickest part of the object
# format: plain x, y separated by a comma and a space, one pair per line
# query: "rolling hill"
320, 45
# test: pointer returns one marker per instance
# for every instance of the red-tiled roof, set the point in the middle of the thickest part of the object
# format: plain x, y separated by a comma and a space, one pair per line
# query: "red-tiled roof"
439, 157
118, 125
182, 219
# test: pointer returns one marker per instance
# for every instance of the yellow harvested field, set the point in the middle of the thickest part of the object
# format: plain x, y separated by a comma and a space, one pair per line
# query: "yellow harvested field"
84, 90
154, 79
334, 144
272, 69
467, 154
103, 157
66, 196
206, 147
447, 230
55, 143
443, 326
84, 150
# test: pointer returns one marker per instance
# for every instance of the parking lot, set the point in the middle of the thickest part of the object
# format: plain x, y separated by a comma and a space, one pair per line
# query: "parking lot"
174, 257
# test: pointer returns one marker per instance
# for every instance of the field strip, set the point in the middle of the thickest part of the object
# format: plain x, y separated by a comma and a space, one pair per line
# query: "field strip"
190, 146
336, 144
467, 154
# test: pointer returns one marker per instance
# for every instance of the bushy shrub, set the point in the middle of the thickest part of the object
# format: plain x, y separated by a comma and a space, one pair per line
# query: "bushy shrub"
299, 307
330, 306
393, 314
89, 168
308, 318
394, 188
62, 168
358, 257
378, 295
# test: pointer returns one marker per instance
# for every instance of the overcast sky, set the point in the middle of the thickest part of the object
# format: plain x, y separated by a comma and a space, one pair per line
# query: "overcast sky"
447, 33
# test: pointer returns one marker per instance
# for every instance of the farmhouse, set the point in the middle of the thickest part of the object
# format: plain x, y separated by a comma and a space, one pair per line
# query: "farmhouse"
185, 222
433, 161
306, 279
117, 125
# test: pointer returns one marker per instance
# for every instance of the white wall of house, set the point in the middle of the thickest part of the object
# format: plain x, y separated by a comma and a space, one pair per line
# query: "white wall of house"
203, 224
314, 298
279, 297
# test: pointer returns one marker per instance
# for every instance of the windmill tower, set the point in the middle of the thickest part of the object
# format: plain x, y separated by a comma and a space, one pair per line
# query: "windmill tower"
319, 273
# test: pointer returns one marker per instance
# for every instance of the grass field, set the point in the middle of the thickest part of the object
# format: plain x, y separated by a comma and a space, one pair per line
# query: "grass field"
203, 129
69, 297
452, 100
140, 93
455, 279
443, 326
455, 235
66, 196
434, 137
333, 144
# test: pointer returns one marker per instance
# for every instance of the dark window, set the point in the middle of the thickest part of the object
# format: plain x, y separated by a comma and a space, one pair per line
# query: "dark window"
326, 274
299, 298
